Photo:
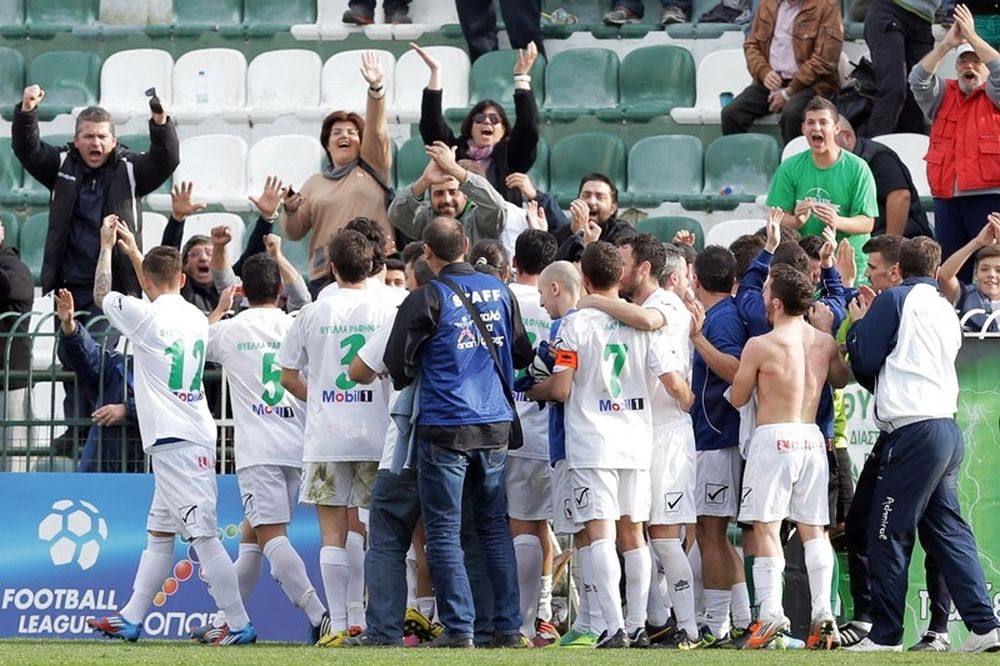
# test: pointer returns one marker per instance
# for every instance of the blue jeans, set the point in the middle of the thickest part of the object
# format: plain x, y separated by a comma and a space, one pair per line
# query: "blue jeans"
394, 511
443, 474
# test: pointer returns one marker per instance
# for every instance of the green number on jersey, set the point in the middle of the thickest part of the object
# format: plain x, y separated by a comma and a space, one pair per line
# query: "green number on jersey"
353, 343
620, 352
271, 375
176, 352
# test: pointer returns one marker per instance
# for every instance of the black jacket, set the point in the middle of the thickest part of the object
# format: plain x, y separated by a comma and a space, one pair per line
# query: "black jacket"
571, 244
61, 169
514, 153
17, 294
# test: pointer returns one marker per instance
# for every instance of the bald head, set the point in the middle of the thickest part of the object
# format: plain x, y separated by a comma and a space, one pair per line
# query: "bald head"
445, 239
563, 273
846, 138
559, 286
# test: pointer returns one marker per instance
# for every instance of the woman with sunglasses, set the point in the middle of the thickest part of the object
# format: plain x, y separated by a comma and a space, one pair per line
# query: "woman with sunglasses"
486, 136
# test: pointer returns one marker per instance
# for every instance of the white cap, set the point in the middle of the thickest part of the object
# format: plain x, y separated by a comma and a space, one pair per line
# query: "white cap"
964, 48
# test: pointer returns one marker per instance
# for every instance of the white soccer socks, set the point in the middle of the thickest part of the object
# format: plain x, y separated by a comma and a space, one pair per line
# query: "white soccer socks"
607, 577
290, 571
336, 572
680, 582
248, 566
658, 604
767, 577
819, 563
355, 548
154, 567
223, 585
741, 605
528, 553
638, 572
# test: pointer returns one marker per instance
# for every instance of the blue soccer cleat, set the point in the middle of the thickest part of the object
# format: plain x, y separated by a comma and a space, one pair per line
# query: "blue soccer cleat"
244, 636
115, 626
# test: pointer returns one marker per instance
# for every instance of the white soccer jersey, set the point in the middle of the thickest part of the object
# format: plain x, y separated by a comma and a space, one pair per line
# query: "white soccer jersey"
169, 338
607, 416
373, 354
391, 295
345, 422
665, 409
270, 421
534, 421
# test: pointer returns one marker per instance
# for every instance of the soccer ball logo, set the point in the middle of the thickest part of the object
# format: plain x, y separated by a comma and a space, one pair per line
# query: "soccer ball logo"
76, 531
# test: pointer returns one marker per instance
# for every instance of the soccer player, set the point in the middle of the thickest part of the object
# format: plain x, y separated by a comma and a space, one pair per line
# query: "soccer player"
345, 425
601, 375
786, 474
169, 337
270, 422
528, 475
672, 473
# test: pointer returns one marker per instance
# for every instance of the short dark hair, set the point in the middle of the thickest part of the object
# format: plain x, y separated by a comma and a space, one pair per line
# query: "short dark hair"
793, 288
600, 177
338, 116
261, 279
94, 114
886, 245
492, 252
373, 231
193, 242
792, 254
647, 247
602, 265
412, 250
988, 252
162, 264
919, 257
422, 271
351, 254
394, 264
744, 249
812, 245
445, 238
715, 268
534, 249
818, 103
480, 107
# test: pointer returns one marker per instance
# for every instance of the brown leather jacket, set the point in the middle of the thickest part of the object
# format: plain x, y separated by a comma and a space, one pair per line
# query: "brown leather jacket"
819, 38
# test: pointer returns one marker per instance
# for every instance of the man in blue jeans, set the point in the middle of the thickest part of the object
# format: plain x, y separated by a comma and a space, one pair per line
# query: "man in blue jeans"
463, 428
904, 344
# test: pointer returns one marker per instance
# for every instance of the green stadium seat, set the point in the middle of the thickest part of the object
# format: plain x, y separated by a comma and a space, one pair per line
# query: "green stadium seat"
410, 161
44, 19
34, 193
194, 17
266, 18
664, 229
579, 154
11, 77
653, 80
663, 168
11, 175
491, 77
70, 79
32, 244
738, 168
539, 171
12, 19
579, 82
11, 229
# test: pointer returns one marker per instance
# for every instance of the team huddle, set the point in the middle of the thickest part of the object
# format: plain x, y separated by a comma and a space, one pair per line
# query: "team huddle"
632, 426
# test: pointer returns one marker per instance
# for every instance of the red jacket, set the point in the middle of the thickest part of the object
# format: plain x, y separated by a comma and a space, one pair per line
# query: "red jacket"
965, 143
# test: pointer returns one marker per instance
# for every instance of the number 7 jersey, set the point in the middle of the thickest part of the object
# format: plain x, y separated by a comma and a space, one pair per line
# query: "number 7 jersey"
345, 421
169, 338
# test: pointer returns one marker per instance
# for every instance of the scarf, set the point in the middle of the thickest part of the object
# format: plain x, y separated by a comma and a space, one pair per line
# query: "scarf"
481, 155
336, 173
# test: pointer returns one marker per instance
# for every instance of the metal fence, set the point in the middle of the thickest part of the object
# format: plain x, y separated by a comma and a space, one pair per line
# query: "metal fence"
45, 408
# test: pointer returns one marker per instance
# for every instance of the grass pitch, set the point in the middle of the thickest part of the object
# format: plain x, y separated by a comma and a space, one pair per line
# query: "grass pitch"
179, 653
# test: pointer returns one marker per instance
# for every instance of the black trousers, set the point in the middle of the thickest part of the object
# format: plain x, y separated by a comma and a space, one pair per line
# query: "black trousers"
387, 5
856, 534
898, 39
523, 19
738, 117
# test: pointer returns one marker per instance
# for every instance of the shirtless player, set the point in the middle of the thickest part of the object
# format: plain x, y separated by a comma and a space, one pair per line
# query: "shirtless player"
786, 472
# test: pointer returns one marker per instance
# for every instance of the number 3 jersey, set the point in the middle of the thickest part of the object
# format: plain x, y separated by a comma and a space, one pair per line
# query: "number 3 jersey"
169, 338
270, 421
346, 421
608, 414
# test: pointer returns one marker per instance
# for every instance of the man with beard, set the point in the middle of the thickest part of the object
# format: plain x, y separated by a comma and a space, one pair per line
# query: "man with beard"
826, 185
593, 217
963, 162
455, 192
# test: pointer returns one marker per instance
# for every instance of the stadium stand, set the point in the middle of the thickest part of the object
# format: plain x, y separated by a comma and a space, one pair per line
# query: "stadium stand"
210, 82
665, 228
32, 243
911, 148
577, 155
726, 232
216, 164
203, 223
411, 78
490, 78
291, 157
126, 75
343, 87
653, 80
580, 82
283, 83
663, 168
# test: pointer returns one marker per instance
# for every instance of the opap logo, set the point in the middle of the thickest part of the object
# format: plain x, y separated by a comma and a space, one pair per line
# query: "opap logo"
76, 531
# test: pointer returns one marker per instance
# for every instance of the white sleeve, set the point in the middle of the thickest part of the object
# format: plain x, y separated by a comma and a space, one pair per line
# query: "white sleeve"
374, 350
216, 332
566, 346
293, 354
126, 313
661, 356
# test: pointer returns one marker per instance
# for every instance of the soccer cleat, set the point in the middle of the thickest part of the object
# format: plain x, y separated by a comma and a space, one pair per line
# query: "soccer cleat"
578, 639
620, 16
988, 642
323, 629
417, 624
932, 641
737, 638
115, 626
245, 636
710, 640
823, 635
411, 641
337, 638
680, 640
205, 634
853, 633
365, 640
619, 639
638, 638
545, 633
446, 641
663, 634
867, 645
517, 640
763, 632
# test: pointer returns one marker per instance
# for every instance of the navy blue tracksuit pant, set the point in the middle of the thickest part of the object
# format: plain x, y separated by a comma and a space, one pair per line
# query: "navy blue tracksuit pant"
917, 486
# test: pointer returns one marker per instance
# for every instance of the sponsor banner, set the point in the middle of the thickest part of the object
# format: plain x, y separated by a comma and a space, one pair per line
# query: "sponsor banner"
71, 549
